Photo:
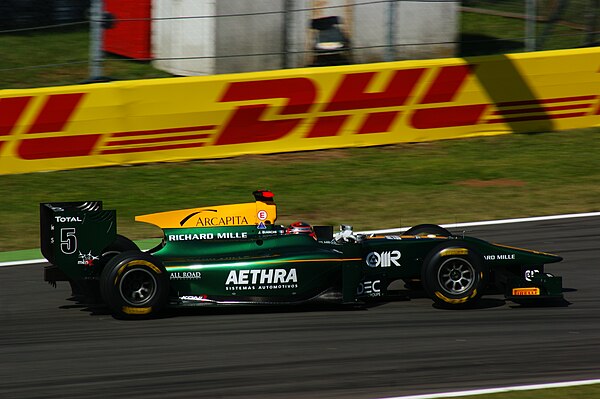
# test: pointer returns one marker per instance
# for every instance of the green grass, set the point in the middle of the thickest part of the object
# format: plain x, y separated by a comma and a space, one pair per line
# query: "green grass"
377, 187
69, 50
577, 392
487, 34
576, 11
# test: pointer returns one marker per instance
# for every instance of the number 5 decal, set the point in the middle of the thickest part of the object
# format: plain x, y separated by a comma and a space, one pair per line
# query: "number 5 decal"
68, 240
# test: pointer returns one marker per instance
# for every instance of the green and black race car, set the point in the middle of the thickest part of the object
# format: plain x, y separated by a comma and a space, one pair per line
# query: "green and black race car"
236, 254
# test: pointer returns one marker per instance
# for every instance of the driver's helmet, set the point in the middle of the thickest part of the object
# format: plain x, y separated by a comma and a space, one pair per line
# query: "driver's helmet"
301, 228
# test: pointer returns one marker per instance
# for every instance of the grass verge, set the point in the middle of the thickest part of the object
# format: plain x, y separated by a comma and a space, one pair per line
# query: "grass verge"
377, 187
577, 392
59, 57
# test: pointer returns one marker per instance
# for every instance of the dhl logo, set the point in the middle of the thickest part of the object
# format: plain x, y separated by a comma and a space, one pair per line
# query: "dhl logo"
420, 98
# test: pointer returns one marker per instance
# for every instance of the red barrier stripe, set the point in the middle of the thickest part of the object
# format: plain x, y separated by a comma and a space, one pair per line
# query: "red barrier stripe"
299, 91
58, 147
541, 109
378, 122
538, 117
462, 115
547, 101
10, 112
162, 131
158, 140
56, 113
327, 126
353, 92
154, 148
446, 84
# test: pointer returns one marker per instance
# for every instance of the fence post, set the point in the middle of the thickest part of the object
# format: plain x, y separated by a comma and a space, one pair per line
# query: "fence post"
530, 25
96, 53
287, 22
390, 53
592, 22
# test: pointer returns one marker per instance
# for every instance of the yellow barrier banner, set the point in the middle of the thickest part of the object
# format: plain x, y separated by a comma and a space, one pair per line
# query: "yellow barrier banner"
177, 119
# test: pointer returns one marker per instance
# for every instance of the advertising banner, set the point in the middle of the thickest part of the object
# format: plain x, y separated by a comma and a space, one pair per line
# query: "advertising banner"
177, 119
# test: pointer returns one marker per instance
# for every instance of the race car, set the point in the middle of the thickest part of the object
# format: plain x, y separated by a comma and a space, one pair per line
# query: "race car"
237, 255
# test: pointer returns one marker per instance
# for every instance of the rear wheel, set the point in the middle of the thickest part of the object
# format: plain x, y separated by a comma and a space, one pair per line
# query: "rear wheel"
454, 276
120, 244
89, 288
134, 284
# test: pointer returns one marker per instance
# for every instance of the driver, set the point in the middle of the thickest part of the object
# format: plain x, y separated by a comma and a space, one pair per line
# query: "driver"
301, 228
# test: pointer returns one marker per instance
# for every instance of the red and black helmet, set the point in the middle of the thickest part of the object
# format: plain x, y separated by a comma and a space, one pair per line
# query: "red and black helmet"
301, 228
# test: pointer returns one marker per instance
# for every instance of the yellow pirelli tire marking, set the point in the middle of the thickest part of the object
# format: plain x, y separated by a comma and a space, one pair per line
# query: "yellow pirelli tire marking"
455, 301
136, 263
454, 252
136, 311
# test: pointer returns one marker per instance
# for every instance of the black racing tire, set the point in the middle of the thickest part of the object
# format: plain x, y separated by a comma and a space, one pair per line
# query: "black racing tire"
119, 245
91, 289
425, 229
134, 284
453, 276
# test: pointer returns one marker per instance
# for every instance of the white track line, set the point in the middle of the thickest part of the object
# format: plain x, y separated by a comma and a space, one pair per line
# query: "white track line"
23, 262
499, 390
401, 229
492, 222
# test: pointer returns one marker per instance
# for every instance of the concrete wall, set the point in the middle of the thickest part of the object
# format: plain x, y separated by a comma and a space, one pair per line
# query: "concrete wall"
252, 34
176, 41
420, 22
427, 22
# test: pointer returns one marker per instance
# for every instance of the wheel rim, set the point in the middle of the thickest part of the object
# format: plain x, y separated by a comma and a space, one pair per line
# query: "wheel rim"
137, 287
456, 276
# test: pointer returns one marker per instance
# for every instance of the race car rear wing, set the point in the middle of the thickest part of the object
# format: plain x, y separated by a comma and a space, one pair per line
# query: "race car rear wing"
73, 234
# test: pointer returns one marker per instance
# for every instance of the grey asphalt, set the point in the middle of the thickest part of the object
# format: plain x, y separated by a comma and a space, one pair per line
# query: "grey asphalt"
53, 348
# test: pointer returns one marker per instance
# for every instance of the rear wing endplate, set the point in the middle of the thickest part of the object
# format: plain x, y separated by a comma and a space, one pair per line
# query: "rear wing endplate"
73, 234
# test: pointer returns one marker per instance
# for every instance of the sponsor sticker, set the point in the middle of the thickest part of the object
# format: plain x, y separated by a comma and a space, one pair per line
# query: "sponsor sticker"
261, 279
529, 291
185, 276
500, 257
221, 221
68, 219
262, 215
86, 259
383, 259
208, 236
193, 298
370, 288
529, 274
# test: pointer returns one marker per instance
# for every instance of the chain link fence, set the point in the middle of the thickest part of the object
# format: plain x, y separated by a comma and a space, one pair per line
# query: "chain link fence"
55, 42
502, 26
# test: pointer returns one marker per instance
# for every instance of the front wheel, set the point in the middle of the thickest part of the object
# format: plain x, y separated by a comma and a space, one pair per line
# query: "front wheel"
454, 276
427, 229
134, 284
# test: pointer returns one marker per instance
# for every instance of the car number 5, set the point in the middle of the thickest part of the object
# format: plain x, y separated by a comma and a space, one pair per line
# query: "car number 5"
68, 240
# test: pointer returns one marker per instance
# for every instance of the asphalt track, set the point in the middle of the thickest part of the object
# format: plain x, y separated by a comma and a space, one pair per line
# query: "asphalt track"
54, 348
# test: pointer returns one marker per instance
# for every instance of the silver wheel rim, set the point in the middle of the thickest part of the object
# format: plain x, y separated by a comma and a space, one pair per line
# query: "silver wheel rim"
456, 276
137, 287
